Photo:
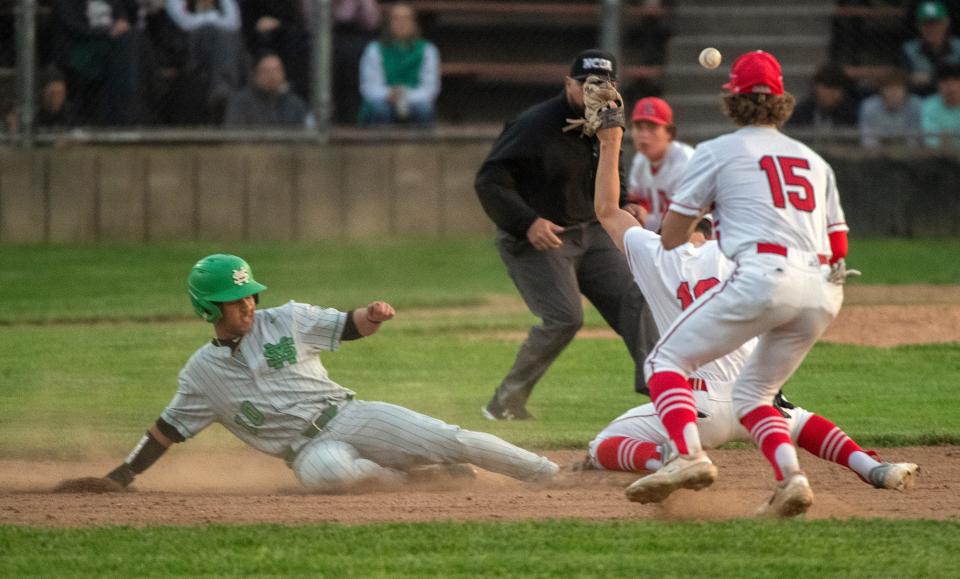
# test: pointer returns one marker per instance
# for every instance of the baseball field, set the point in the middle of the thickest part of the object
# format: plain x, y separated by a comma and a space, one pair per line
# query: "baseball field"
92, 338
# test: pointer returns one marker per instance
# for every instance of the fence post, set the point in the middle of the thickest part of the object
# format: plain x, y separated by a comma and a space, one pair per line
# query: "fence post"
321, 66
26, 70
611, 27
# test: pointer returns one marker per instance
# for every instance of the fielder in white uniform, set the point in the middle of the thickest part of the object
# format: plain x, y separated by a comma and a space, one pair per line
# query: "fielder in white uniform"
659, 162
261, 378
673, 281
779, 219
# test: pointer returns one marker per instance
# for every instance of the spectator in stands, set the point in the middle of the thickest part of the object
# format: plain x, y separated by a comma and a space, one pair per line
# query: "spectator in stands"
831, 102
872, 37
911, 10
269, 100
216, 47
934, 47
176, 93
660, 162
399, 74
355, 25
98, 53
52, 110
892, 115
941, 111
280, 27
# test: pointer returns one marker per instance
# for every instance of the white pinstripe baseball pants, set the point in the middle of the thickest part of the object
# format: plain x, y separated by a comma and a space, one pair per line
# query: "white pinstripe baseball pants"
377, 440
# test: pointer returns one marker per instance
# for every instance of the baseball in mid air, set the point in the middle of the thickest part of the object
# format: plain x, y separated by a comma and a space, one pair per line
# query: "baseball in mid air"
710, 58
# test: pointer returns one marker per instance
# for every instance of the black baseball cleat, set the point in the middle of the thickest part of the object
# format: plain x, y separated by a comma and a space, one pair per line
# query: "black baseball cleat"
494, 411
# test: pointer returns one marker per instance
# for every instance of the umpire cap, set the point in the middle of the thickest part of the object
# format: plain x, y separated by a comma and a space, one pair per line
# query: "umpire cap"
594, 61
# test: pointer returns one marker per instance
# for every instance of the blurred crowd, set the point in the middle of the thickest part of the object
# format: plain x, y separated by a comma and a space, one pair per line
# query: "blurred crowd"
247, 63
237, 63
908, 92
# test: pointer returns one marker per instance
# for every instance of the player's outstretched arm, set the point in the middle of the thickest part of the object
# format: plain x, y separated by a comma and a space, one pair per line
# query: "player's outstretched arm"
367, 319
677, 229
154, 443
606, 199
159, 437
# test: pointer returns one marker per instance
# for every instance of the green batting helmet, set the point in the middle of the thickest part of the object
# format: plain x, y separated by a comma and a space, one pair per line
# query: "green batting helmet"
220, 278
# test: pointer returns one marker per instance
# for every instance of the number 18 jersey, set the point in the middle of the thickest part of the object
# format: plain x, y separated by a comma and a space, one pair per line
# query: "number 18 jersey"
672, 280
762, 187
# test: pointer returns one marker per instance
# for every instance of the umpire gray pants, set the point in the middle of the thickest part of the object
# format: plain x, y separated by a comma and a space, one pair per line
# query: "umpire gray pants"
551, 283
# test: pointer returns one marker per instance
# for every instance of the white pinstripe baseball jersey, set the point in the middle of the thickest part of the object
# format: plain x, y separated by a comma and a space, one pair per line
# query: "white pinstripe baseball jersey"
268, 390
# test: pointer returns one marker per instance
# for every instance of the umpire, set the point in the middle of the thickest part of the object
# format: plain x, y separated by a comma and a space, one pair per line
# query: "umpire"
537, 186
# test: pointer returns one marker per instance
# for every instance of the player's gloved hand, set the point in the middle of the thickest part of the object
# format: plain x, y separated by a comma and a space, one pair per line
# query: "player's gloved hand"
602, 107
122, 475
839, 272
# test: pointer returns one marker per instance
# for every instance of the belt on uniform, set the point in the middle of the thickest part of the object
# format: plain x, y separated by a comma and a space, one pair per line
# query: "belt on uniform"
697, 384
701, 385
781, 250
320, 420
314, 428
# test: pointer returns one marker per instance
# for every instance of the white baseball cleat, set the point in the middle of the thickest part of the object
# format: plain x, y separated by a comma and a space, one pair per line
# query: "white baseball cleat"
792, 498
898, 476
693, 472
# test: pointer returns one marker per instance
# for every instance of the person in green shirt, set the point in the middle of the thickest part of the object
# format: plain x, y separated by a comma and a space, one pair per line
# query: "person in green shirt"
399, 74
940, 117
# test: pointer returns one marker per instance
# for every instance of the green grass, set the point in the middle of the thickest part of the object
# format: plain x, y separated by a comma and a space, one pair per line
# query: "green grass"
68, 388
905, 261
105, 383
864, 548
42, 283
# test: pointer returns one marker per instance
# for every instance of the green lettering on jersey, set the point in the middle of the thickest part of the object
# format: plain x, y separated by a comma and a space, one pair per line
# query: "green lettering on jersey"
249, 418
283, 351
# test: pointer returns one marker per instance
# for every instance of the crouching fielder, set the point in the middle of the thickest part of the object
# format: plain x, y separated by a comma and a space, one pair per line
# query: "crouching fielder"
261, 378
673, 280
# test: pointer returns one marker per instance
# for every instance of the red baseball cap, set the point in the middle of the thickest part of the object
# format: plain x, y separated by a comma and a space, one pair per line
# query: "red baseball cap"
756, 72
654, 110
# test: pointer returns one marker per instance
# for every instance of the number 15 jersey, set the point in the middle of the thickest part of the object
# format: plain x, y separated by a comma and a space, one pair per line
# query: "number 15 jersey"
762, 187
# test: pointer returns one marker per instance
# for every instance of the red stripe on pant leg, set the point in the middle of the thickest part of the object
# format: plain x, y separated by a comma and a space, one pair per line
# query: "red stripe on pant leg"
770, 435
635, 457
675, 393
818, 431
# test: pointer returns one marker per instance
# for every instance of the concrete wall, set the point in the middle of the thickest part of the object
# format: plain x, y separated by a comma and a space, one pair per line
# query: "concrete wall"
358, 190
276, 192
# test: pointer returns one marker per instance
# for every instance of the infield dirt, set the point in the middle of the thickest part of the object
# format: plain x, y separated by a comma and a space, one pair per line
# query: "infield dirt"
233, 487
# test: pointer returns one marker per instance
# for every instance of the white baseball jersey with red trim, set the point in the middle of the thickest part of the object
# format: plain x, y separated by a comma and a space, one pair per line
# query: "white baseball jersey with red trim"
672, 280
766, 188
653, 187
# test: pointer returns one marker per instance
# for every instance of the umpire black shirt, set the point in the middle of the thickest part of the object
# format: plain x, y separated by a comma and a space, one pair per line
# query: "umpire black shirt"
537, 170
